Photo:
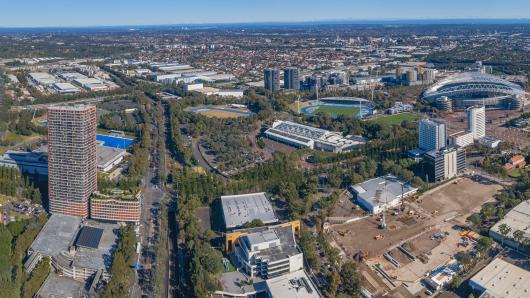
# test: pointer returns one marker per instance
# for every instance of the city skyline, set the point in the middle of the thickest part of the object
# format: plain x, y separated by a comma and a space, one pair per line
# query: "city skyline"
61, 13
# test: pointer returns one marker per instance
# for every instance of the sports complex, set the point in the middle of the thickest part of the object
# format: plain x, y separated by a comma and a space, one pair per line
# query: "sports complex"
336, 106
473, 88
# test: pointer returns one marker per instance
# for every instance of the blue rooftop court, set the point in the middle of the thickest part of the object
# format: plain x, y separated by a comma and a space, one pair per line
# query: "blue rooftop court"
115, 142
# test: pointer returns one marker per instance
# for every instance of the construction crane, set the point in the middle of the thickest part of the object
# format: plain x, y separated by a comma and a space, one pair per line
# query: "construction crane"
381, 198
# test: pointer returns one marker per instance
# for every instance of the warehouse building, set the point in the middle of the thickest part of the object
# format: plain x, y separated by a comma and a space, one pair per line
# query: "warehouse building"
241, 209
501, 279
381, 193
303, 136
65, 88
518, 219
42, 78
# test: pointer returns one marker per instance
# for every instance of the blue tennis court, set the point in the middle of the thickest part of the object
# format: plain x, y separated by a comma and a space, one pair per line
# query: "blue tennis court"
114, 142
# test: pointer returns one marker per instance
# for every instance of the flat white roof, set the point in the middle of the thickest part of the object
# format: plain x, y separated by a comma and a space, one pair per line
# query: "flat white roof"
390, 187
296, 285
518, 219
240, 209
502, 279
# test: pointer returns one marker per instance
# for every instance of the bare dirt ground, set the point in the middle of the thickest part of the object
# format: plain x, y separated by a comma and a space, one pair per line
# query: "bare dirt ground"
457, 199
437, 210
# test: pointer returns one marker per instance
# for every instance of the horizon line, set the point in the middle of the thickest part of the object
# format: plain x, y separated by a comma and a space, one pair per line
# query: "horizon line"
430, 21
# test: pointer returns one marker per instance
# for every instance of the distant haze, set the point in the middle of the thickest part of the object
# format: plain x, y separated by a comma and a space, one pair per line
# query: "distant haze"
62, 13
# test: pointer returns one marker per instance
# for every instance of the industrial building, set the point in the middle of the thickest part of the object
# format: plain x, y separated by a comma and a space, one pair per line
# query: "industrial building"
473, 88
72, 158
381, 193
432, 134
268, 253
93, 84
33, 163
65, 88
303, 136
445, 163
501, 279
42, 78
518, 219
272, 79
241, 209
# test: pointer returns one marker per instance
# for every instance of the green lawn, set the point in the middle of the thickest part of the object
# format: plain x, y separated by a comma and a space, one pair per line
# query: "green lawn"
395, 119
335, 111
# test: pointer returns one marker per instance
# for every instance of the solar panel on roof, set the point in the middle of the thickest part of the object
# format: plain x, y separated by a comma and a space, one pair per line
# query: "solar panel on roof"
89, 237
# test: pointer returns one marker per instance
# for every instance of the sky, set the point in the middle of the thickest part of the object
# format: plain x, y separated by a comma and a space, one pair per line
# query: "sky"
79, 13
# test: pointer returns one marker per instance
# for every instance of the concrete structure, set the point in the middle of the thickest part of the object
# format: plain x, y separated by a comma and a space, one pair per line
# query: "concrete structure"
303, 136
272, 79
109, 157
57, 235
518, 219
93, 84
381, 193
72, 158
33, 163
432, 134
444, 103
445, 163
241, 209
291, 78
70, 76
268, 253
61, 286
117, 208
295, 284
489, 142
477, 122
501, 279
461, 139
473, 88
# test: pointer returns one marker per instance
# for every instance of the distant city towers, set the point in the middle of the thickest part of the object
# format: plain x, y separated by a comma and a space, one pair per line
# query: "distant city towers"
477, 121
72, 161
291, 78
272, 79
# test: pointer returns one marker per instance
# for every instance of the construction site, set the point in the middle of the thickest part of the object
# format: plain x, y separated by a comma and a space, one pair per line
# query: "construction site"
401, 246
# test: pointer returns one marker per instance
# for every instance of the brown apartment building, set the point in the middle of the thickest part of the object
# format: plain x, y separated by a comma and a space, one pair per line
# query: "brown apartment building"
72, 160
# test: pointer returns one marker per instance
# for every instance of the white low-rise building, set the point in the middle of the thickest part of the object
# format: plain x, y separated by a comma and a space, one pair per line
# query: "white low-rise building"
303, 136
501, 279
381, 193
461, 138
518, 219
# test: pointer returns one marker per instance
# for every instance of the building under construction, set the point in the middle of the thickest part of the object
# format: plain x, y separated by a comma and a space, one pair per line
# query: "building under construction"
379, 194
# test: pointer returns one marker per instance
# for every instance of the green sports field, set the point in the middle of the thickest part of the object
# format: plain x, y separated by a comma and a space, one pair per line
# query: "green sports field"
395, 119
336, 111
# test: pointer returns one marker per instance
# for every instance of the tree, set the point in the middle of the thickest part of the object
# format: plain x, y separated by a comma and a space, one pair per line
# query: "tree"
518, 236
349, 279
504, 229
484, 245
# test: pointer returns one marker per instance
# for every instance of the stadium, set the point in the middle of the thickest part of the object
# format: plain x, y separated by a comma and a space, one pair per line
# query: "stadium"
470, 89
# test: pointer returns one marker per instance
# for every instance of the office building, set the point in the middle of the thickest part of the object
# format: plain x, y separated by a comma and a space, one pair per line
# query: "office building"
272, 79
477, 122
381, 193
291, 78
445, 163
432, 134
501, 279
72, 158
268, 253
